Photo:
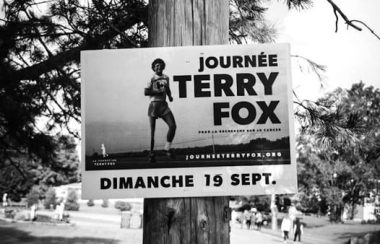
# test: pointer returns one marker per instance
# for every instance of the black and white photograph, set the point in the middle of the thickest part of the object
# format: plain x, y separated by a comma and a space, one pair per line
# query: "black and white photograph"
189, 121
193, 110
186, 107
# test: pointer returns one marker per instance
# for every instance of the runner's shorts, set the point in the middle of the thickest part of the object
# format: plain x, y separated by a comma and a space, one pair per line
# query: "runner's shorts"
158, 109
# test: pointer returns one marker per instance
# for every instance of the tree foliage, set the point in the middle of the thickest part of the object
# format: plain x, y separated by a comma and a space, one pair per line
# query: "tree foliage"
123, 206
21, 170
33, 196
72, 201
247, 22
340, 154
90, 203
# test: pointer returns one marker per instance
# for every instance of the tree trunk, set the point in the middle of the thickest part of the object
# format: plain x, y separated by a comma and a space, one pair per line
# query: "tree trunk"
187, 220
188, 22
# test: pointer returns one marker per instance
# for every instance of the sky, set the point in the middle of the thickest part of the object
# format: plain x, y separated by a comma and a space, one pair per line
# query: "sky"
351, 56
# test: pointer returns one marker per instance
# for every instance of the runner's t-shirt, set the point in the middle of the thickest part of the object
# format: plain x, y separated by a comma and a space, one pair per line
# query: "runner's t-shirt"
159, 83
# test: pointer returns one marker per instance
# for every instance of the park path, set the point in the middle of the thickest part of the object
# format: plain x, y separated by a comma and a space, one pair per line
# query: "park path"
268, 236
244, 236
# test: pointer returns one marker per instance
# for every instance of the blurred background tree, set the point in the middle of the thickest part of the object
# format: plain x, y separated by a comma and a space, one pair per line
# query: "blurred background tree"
339, 146
72, 201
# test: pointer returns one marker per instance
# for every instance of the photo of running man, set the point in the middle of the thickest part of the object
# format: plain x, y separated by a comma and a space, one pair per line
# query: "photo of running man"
158, 89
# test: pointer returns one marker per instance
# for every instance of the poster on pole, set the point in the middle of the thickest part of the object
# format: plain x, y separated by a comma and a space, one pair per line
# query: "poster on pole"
187, 121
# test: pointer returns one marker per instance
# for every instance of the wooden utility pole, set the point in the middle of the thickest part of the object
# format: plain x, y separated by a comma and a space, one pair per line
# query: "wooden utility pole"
187, 220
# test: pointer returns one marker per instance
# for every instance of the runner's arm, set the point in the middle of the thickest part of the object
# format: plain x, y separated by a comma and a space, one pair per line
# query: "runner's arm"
149, 91
167, 89
169, 93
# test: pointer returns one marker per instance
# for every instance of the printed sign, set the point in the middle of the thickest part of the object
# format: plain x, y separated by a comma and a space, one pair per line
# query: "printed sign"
187, 121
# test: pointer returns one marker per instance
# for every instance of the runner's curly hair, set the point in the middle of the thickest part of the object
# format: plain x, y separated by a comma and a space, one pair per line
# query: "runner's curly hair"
158, 61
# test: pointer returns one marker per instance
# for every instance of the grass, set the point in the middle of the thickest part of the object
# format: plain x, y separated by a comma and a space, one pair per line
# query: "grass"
321, 230
34, 233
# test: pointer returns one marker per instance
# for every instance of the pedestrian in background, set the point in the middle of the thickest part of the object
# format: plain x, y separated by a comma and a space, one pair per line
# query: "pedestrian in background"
259, 220
241, 219
298, 229
253, 219
5, 200
286, 226
247, 218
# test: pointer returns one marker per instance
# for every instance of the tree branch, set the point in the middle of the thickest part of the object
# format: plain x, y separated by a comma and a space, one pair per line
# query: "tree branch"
372, 31
349, 22
340, 12
73, 54
16, 166
318, 69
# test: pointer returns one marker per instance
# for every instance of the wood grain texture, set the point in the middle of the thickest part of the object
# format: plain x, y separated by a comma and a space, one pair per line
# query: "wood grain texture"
188, 22
187, 220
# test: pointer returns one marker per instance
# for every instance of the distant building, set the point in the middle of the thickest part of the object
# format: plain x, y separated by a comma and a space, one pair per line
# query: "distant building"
63, 191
